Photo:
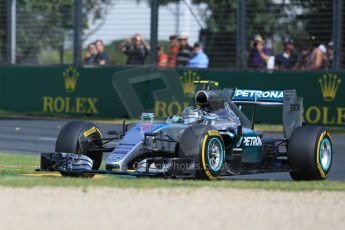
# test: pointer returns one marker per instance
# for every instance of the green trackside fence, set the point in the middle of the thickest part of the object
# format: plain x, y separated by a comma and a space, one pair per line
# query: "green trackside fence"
119, 92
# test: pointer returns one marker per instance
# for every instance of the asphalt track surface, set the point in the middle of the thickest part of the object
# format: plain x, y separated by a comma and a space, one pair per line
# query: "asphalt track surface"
33, 136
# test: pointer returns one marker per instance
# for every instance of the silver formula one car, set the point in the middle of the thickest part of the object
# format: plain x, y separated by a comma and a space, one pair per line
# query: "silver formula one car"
214, 139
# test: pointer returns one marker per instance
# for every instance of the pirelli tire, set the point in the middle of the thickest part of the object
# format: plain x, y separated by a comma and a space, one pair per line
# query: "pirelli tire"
80, 137
206, 146
310, 153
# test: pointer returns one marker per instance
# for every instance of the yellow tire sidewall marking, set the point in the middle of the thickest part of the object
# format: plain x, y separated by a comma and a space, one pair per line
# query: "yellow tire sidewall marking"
91, 131
318, 152
213, 133
203, 160
203, 154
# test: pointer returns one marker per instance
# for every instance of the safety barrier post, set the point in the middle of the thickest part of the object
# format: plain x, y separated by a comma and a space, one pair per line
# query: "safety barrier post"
77, 32
154, 31
241, 35
11, 31
337, 33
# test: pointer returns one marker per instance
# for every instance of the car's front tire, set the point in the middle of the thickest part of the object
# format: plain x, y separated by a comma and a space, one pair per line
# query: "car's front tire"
79, 137
310, 153
205, 145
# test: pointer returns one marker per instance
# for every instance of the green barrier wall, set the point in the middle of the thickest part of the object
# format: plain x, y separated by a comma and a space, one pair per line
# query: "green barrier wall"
117, 92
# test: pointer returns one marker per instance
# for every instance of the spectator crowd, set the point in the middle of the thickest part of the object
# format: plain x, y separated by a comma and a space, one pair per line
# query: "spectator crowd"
312, 56
96, 54
180, 53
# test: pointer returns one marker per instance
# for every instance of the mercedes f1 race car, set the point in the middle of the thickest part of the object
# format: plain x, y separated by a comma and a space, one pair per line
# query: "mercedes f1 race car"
208, 141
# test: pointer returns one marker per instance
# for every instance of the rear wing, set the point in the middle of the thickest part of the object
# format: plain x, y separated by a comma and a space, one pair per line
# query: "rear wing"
288, 99
258, 97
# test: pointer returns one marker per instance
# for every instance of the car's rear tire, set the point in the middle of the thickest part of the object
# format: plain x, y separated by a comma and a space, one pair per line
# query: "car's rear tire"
310, 153
75, 137
206, 146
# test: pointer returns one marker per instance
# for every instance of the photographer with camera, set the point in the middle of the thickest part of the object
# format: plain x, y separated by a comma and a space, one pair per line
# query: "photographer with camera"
136, 49
258, 54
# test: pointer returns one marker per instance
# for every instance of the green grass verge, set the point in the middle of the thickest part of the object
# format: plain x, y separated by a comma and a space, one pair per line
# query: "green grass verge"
13, 166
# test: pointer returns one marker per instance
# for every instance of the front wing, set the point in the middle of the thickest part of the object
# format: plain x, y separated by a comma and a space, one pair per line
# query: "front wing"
71, 164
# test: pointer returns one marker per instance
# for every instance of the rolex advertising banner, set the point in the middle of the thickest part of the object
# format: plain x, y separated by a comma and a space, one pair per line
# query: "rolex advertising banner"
123, 92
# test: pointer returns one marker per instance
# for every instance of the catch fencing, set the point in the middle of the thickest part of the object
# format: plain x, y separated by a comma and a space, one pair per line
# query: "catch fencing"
58, 32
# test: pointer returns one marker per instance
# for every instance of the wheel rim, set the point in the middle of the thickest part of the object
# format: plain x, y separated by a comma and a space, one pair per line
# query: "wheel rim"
325, 154
215, 154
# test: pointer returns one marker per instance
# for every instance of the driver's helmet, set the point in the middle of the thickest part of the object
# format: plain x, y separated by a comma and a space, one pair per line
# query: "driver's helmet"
191, 115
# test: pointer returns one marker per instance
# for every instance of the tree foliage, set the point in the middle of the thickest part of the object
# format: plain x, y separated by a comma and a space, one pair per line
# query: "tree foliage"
316, 19
299, 19
47, 24
221, 15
